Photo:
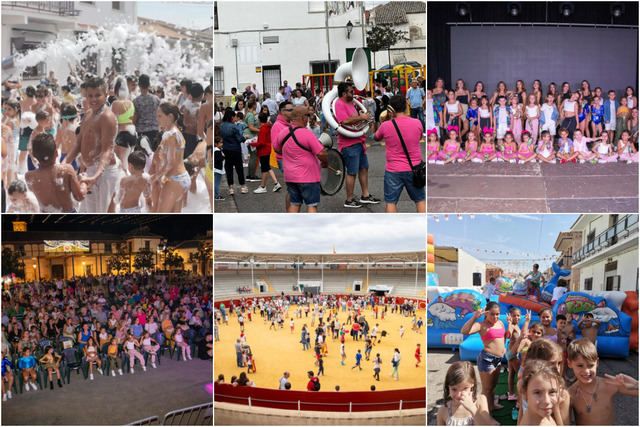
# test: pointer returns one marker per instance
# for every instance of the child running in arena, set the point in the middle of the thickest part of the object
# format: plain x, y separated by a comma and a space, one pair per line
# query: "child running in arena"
51, 362
418, 355
463, 406
591, 395
492, 333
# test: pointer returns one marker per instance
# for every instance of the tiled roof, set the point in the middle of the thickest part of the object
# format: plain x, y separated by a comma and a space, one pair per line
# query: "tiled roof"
395, 12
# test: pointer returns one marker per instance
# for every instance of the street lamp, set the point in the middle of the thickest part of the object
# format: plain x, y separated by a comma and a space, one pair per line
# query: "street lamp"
349, 29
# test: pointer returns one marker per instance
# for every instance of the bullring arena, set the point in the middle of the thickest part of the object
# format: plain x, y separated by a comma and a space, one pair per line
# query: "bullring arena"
306, 288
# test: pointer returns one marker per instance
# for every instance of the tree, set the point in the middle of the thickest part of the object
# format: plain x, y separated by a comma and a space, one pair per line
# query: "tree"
202, 255
12, 262
118, 261
173, 259
383, 37
144, 260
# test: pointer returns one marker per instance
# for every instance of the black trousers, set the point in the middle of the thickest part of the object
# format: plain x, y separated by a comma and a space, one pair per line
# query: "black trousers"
233, 159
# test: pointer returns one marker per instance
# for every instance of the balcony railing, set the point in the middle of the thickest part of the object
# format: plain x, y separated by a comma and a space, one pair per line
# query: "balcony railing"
623, 228
60, 8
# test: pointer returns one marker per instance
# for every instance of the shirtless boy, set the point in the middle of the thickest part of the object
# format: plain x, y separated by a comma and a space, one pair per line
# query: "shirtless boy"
190, 111
66, 135
135, 184
95, 144
589, 327
592, 396
53, 183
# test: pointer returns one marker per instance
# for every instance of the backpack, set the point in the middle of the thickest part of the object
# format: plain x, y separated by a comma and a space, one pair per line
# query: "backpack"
316, 384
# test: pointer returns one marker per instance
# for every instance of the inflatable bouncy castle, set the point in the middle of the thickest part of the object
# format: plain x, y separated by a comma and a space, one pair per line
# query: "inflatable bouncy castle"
448, 313
432, 277
521, 298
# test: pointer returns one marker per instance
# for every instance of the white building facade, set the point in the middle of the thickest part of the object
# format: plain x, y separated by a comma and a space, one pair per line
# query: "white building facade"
457, 268
27, 24
608, 257
269, 42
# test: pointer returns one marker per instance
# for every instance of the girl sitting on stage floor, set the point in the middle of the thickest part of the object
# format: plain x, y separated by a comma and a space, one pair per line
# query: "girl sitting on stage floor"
604, 150
509, 149
451, 148
487, 151
526, 150
545, 151
626, 151
433, 146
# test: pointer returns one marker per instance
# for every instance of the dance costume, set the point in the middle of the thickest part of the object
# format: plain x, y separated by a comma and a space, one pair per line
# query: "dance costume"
472, 150
508, 154
627, 154
525, 150
549, 118
597, 114
432, 151
486, 151
580, 146
472, 117
485, 117
604, 156
450, 150
516, 123
502, 116
569, 123
453, 109
533, 123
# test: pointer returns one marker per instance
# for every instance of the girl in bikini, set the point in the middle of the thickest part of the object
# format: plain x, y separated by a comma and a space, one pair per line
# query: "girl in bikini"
526, 152
463, 406
124, 111
492, 333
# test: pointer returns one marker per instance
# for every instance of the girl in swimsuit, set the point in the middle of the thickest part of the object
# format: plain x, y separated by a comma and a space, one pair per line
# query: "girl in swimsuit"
492, 333
124, 111
526, 153
597, 117
171, 174
584, 114
509, 149
462, 404
604, 150
450, 152
626, 151
487, 151
472, 118
433, 146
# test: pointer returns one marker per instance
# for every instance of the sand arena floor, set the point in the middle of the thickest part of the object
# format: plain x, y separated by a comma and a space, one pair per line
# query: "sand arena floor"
279, 351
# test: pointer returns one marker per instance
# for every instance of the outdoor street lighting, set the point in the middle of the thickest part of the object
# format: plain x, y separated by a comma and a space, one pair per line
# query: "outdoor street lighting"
349, 29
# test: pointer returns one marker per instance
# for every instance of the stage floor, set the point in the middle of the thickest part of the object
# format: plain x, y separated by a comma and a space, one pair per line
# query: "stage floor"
274, 202
279, 351
114, 400
527, 188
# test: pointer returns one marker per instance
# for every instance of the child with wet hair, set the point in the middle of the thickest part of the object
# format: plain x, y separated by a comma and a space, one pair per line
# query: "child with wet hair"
136, 184
463, 405
53, 183
541, 389
21, 200
591, 395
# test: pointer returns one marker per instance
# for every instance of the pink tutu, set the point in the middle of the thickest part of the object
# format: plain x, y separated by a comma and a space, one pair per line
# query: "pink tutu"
629, 157
446, 155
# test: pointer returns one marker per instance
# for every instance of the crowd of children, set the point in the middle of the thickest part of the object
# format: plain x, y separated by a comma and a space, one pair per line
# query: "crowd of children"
516, 127
539, 358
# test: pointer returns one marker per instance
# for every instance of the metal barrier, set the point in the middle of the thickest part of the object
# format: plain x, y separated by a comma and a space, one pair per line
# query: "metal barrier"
149, 421
198, 415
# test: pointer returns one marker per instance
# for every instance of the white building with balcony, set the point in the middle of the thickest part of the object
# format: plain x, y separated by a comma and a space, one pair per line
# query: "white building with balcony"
607, 259
28, 24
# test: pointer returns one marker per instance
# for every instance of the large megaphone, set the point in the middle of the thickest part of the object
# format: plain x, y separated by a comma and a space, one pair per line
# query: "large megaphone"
358, 70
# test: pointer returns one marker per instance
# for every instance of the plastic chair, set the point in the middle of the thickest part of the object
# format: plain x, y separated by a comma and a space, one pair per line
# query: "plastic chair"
73, 362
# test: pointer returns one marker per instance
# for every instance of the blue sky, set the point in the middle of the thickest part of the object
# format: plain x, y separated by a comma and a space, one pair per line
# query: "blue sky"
521, 239
190, 14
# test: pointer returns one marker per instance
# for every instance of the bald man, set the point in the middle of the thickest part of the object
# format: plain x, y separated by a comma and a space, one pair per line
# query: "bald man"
301, 156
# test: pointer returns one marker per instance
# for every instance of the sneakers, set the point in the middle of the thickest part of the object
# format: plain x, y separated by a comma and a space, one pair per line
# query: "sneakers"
120, 371
189, 357
34, 386
232, 191
219, 198
153, 365
4, 397
352, 204
26, 386
260, 190
132, 371
9, 395
91, 377
277, 187
369, 200
144, 369
101, 371
244, 189
113, 373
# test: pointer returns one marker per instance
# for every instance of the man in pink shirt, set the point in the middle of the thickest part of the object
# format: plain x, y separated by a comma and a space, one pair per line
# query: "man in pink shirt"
282, 122
398, 174
301, 154
353, 149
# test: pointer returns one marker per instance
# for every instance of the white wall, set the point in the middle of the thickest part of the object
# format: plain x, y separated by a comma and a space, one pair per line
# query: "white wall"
447, 273
468, 265
627, 270
101, 13
302, 39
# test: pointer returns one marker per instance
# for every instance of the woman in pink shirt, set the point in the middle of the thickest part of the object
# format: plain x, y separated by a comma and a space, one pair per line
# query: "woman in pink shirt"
398, 173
